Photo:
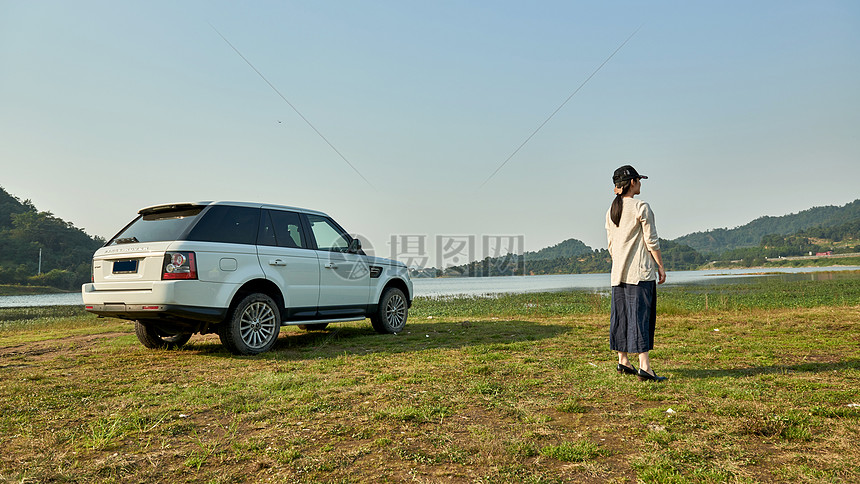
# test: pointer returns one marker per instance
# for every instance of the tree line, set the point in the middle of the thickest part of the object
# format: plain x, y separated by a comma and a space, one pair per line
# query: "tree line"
66, 250
718, 241
839, 239
677, 256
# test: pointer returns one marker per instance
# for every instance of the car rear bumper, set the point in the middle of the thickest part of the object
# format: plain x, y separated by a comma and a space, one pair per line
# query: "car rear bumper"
168, 312
160, 300
164, 293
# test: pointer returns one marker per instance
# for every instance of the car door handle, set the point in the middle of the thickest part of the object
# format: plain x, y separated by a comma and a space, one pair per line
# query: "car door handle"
277, 262
331, 265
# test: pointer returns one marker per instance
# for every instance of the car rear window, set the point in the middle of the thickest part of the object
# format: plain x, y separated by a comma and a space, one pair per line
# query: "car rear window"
158, 226
228, 224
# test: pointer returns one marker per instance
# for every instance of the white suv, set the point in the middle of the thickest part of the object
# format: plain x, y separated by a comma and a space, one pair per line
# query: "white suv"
241, 270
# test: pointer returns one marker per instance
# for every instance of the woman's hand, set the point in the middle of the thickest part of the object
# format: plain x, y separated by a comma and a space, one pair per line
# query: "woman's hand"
658, 259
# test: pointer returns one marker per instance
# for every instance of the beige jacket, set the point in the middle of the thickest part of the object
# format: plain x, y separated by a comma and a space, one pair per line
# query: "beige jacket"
630, 243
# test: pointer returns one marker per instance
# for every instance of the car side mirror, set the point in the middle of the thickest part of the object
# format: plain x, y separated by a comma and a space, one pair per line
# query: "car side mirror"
354, 246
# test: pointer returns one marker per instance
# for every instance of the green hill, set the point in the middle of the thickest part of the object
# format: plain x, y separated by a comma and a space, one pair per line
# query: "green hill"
66, 250
680, 257
568, 248
843, 234
717, 241
819, 229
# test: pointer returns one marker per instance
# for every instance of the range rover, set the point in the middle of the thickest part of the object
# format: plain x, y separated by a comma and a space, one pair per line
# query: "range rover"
241, 270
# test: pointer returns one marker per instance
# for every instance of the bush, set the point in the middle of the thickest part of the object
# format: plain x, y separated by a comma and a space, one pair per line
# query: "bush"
56, 278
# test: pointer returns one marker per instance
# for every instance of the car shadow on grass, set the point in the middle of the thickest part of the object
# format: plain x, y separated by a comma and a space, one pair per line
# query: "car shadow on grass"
337, 340
818, 367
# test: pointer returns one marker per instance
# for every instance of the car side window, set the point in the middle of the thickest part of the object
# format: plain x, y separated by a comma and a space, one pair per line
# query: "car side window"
328, 235
228, 224
287, 228
267, 230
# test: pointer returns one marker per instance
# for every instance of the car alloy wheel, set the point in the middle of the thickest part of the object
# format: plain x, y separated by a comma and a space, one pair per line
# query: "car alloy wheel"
395, 311
257, 325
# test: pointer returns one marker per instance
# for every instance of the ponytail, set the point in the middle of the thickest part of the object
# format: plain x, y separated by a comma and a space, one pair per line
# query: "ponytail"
618, 203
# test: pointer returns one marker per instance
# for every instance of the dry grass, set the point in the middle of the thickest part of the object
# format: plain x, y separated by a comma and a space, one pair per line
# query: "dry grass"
756, 396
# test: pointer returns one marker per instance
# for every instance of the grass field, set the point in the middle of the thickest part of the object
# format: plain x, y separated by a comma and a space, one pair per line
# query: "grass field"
764, 387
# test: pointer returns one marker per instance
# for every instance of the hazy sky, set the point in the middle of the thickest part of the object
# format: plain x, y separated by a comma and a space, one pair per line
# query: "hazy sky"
735, 109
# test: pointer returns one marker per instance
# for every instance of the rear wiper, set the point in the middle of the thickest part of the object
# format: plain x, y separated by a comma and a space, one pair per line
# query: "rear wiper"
127, 240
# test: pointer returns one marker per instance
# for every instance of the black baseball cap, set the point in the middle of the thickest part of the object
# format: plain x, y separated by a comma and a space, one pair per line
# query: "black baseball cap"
625, 173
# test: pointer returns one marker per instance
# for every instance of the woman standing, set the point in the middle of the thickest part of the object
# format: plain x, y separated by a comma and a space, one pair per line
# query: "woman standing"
637, 267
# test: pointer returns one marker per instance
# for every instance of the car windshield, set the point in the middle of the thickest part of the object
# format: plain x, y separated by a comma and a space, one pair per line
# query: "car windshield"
157, 226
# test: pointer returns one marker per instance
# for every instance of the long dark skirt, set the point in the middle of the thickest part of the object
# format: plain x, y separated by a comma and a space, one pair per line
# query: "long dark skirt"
633, 317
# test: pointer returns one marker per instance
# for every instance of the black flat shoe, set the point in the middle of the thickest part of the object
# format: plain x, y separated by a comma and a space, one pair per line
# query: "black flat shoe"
645, 376
621, 369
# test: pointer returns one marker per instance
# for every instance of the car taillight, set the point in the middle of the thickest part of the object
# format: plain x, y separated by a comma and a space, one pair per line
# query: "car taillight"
179, 265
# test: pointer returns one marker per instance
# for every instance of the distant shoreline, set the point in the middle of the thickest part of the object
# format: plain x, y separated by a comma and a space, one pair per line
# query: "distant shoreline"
822, 262
18, 290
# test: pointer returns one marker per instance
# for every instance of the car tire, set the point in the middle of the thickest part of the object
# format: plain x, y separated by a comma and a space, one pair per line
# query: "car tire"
153, 338
391, 313
253, 326
313, 327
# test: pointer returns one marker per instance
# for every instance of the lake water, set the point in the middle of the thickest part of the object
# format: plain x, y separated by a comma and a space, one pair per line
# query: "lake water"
599, 282
476, 286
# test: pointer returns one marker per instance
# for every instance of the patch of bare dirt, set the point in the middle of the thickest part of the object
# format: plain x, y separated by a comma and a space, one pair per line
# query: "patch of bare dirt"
52, 348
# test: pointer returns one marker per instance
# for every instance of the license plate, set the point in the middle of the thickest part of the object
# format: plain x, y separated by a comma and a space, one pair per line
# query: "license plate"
125, 266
